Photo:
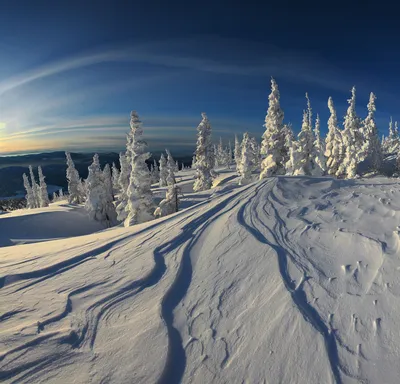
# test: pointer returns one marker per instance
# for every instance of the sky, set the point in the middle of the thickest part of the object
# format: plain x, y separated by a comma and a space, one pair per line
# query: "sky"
71, 71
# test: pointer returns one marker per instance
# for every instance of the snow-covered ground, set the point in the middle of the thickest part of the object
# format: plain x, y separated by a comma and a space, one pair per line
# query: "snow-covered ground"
287, 280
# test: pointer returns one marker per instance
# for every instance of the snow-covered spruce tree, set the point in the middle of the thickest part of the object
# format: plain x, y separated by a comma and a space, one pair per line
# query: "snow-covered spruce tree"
123, 182
372, 148
237, 153
305, 149
255, 154
292, 165
246, 163
319, 149
55, 197
35, 188
95, 191
194, 162
30, 199
170, 204
140, 207
74, 192
392, 142
176, 166
60, 194
115, 179
273, 143
43, 194
204, 156
351, 141
220, 155
163, 171
155, 173
289, 138
108, 182
333, 142
229, 155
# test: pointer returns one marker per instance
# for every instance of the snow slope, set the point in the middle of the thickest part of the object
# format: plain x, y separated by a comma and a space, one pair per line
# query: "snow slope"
40, 224
287, 280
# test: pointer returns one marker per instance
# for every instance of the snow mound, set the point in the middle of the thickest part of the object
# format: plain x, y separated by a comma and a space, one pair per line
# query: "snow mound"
60, 220
287, 280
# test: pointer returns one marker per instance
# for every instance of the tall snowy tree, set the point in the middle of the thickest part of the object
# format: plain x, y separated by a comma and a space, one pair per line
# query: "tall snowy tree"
163, 171
391, 144
194, 162
246, 163
372, 149
115, 179
289, 138
155, 173
30, 199
351, 141
140, 205
60, 194
74, 192
43, 194
273, 143
95, 197
35, 188
319, 150
108, 182
204, 156
237, 153
305, 147
255, 154
55, 197
333, 142
170, 204
122, 198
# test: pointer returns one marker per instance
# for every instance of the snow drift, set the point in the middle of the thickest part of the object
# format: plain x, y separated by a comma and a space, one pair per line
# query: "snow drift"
288, 280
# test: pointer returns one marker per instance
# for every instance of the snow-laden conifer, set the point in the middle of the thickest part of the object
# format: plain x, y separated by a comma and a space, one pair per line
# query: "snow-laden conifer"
372, 149
55, 197
273, 143
255, 154
163, 171
108, 182
333, 142
319, 150
170, 204
289, 138
391, 144
351, 141
237, 153
140, 207
43, 194
123, 182
30, 199
204, 156
246, 164
35, 187
155, 173
115, 180
74, 192
194, 162
95, 192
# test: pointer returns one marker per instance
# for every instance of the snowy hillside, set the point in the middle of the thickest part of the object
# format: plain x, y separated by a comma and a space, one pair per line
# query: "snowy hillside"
286, 280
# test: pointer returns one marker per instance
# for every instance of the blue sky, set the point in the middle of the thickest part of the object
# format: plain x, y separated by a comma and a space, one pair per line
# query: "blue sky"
71, 72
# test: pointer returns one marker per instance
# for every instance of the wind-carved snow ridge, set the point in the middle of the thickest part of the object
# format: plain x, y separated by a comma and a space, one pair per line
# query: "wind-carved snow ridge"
176, 358
277, 234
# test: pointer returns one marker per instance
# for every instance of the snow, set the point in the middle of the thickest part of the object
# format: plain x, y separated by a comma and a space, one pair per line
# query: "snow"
61, 220
285, 280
